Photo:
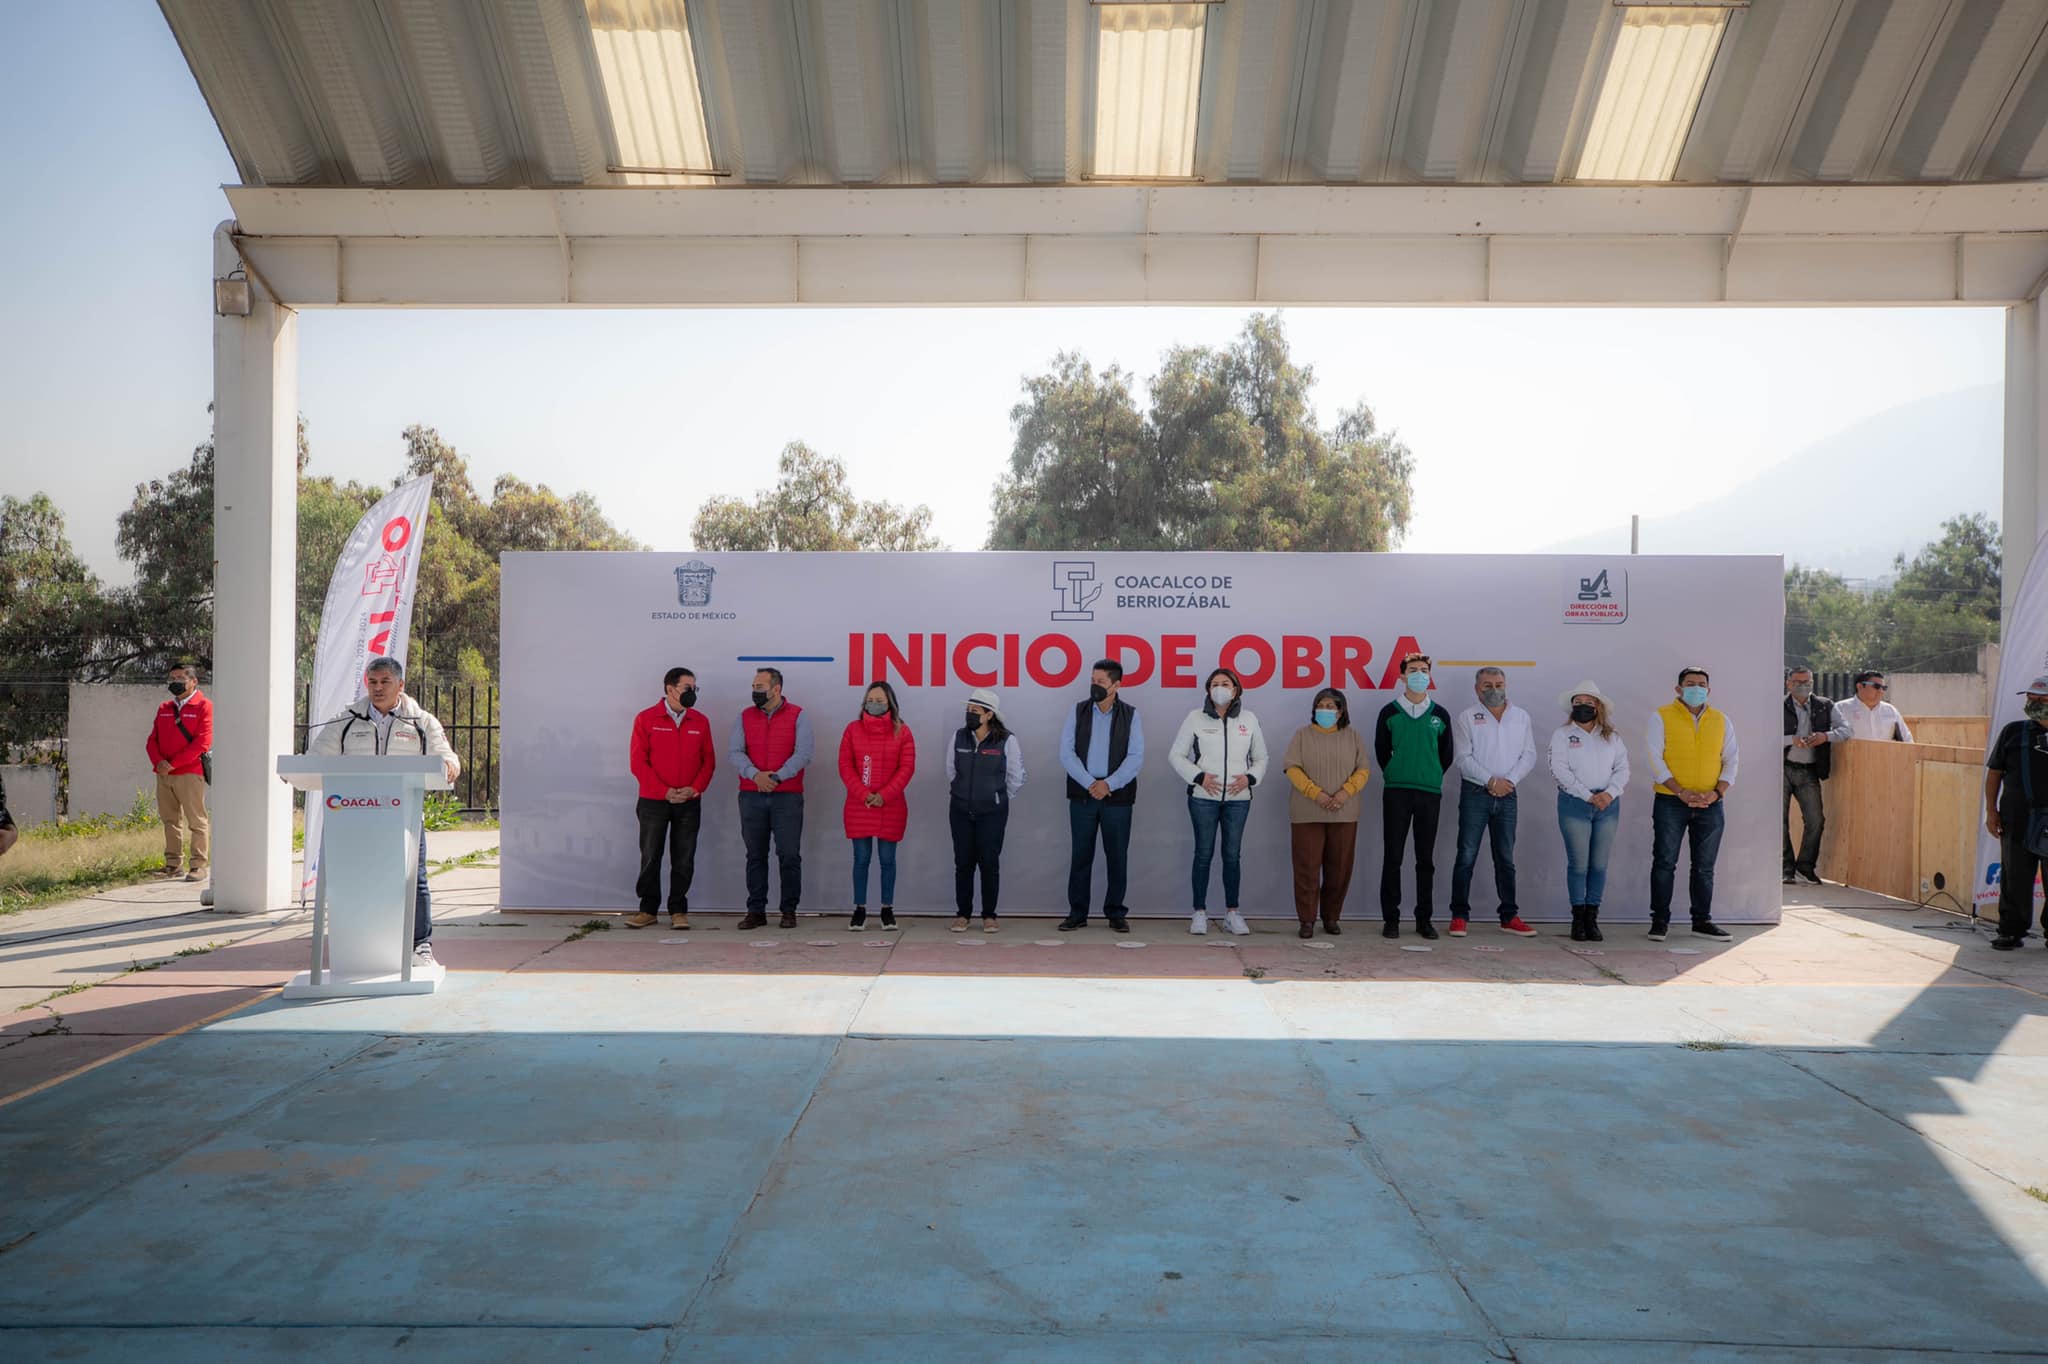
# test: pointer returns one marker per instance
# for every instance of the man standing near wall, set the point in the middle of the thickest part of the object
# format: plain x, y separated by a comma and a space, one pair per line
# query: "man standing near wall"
1693, 758
180, 738
1496, 748
1868, 715
1102, 748
672, 757
1813, 726
771, 747
1413, 744
2015, 790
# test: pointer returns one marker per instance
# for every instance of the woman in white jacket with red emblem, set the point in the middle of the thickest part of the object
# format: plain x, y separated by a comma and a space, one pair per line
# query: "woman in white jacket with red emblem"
1221, 755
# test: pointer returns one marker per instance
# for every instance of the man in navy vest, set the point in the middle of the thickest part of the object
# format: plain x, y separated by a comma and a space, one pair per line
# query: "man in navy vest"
1102, 746
770, 748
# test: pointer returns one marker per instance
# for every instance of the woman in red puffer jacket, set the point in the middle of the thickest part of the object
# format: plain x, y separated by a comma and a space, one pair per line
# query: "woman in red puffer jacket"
877, 757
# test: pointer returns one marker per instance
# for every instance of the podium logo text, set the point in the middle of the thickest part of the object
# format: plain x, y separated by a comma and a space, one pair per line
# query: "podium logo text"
360, 802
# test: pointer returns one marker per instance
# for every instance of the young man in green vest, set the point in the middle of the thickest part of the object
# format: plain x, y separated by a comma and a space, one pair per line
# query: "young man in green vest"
1693, 758
1413, 744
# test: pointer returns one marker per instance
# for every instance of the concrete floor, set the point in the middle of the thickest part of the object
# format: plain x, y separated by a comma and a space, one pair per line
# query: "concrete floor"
1816, 1143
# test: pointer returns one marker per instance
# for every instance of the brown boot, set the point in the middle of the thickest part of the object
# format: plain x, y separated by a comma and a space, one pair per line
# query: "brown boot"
788, 918
1330, 927
1308, 929
756, 918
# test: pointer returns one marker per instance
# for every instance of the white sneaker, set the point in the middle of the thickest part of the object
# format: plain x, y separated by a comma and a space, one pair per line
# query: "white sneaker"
1234, 921
423, 953
1199, 924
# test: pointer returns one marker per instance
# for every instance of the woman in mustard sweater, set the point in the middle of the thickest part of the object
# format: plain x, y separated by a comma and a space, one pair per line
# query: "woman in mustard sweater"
1326, 762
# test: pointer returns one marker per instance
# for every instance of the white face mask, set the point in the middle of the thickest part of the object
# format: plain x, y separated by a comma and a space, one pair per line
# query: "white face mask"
1222, 696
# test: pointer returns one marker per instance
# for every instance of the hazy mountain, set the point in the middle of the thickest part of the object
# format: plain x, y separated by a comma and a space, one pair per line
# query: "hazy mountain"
1890, 481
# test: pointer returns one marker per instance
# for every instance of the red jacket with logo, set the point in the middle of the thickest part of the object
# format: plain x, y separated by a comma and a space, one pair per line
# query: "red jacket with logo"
166, 744
663, 753
876, 755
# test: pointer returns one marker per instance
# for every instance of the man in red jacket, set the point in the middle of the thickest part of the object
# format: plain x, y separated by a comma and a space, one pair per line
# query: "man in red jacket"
179, 741
671, 756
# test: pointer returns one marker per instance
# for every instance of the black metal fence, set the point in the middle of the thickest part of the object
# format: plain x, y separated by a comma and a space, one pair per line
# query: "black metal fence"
1833, 685
470, 715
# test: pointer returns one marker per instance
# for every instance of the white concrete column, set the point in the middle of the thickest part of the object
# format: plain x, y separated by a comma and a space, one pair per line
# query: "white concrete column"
255, 555
2026, 441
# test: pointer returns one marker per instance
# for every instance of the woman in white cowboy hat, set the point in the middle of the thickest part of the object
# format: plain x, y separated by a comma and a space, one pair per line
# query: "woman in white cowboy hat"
1590, 763
985, 771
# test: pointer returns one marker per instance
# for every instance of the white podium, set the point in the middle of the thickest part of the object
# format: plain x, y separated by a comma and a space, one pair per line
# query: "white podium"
370, 834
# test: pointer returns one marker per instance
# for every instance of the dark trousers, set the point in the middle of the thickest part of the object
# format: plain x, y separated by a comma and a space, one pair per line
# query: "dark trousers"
1323, 858
1084, 818
1399, 810
673, 825
1211, 817
1672, 822
1803, 786
2017, 868
780, 815
1494, 817
422, 901
977, 846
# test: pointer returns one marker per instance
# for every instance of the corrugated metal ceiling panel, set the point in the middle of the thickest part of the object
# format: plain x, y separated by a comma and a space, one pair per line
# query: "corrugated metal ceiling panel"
415, 93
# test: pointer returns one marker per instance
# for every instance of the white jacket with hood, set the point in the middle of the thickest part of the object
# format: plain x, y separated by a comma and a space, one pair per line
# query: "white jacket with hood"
414, 730
1222, 746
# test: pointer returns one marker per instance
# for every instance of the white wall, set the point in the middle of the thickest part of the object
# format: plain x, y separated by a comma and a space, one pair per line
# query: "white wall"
31, 793
109, 725
1938, 693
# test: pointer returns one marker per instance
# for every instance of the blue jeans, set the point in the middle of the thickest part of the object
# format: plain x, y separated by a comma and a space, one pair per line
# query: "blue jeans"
1494, 816
1588, 838
1671, 822
1084, 818
778, 815
863, 851
422, 901
1207, 816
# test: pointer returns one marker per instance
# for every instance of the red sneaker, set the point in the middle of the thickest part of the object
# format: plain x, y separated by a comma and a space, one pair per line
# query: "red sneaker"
1457, 928
1518, 928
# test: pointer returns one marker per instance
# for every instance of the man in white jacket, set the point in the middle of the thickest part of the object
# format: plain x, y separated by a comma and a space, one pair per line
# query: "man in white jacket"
1221, 755
1868, 715
1496, 747
385, 720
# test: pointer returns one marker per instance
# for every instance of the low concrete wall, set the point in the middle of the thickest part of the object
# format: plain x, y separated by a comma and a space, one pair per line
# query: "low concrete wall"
1939, 693
31, 793
109, 725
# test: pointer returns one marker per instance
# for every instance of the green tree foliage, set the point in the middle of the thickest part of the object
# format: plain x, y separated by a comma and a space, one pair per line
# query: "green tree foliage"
1228, 456
1941, 605
811, 507
50, 620
455, 609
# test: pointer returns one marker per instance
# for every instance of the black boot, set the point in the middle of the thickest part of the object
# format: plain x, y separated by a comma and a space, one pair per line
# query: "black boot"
1578, 923
1593, 933
888, 918
859, 919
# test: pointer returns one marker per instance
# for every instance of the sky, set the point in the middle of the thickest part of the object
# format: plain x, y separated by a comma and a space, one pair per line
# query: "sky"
1528, 427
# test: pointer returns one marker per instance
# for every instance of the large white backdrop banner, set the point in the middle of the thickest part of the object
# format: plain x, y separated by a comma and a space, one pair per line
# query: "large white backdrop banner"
587, 637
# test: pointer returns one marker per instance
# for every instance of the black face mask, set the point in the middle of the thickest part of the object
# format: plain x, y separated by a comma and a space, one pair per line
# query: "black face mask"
1585, 715
973, 721
761, 699
688, 698
1097, 693
178, 688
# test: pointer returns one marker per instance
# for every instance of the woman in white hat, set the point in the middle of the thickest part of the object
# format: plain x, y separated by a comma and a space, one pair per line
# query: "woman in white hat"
1590, 763
985, 769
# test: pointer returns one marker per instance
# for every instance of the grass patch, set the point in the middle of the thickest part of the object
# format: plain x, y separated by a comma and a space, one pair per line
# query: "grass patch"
588, 927
2041, 1194
468, 859
1701, 1044
195, 951
45, 868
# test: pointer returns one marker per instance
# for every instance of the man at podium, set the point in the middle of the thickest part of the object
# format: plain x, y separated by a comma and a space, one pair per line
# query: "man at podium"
384, 720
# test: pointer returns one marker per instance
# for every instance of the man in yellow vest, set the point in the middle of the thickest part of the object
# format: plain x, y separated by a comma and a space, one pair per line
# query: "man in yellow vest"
1693, 758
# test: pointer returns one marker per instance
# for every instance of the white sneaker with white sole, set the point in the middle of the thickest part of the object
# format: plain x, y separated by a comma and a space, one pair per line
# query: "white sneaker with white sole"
1199, 924
1234, 921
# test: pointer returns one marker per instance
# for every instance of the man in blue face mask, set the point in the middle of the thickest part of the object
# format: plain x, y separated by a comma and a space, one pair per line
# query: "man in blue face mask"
1693, 758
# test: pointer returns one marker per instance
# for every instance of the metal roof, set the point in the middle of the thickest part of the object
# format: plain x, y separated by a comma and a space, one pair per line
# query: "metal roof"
507, 94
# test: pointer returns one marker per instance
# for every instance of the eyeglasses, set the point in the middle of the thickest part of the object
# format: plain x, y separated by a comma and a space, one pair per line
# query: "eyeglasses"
1874, 686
